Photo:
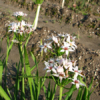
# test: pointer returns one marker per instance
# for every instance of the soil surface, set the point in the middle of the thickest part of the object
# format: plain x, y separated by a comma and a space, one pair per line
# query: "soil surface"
87, 53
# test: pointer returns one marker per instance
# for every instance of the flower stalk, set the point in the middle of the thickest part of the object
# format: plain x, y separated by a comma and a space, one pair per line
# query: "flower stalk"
22, 66
36, 17
63, 3
60, 93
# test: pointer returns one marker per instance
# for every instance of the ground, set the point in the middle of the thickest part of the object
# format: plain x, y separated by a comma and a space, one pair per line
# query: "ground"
87, 53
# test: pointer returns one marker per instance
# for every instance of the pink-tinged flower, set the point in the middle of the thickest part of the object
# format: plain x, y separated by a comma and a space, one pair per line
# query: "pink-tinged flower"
60, 69
67, 65
77, 72
55, 40
73, 62
46, 63
59, 61
71, 43
21, 30
60, 75
28, 30
77, 83
29, 25
72, 38
19, 14
13, 27
49, 67
51, 61
66, 48
45, 46
75, 76
15, 41
22, 23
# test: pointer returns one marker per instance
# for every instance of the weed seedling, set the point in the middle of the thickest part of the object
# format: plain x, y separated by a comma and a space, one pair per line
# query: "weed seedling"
53, 21
46, 21
89, 36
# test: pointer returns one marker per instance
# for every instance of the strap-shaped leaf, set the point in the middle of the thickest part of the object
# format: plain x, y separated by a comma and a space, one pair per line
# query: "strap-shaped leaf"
70, 92
1, 70
28, 72
90, 85
4, 94
17, 82
80, 92
85, 94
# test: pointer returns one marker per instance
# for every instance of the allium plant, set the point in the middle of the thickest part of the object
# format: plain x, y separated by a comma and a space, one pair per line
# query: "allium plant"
62, 69
22, 32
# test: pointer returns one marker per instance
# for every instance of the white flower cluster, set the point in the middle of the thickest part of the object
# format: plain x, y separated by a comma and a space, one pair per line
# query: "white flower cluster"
19, 14
63, 41
20, 27
61, 68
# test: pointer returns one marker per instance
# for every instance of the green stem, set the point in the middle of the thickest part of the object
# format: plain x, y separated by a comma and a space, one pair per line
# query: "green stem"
52, 52
54, 92
6, 72
60, 93
63, 3
36, 17
22, 66
6, 62
68, 56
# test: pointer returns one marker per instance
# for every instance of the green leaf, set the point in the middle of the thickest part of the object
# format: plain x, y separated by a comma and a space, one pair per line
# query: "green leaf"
9, 93
28, 72
1, 70
4, 94
66, 81
92, 91
81, 80
64, 94
50, 93
70, 92
33, 67
80, 92
44, 88
34, 59
27, 40
54, 91
10, 47
90, 85
85, 94
59, 53
17, 82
